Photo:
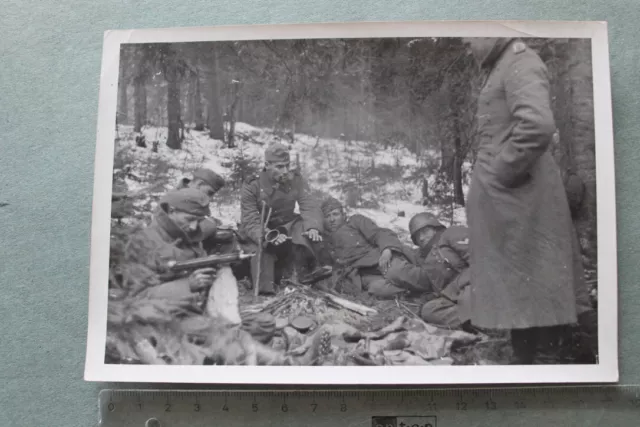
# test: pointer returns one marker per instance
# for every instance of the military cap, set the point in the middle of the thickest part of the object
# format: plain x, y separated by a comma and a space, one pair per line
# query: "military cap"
210, 177
189, 200
330, 204
277, 153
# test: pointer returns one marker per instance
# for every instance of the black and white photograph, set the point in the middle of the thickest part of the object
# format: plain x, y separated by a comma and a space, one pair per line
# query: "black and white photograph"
362, 203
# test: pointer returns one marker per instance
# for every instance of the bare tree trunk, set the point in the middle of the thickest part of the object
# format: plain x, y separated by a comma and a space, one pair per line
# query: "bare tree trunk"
232, 112
572, 86
173, 103
189, 98
241, 110
581, 147
215, 122
140, 103
173, 115
144, 110
447, 156
122, 115
458, 192
197, 106
449, 136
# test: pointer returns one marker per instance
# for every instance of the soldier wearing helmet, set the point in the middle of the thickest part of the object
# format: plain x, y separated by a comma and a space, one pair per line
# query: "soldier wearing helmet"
443, 264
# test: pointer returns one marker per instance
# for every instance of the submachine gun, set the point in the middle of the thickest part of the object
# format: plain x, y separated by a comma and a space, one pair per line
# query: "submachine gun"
226, 296
208, 261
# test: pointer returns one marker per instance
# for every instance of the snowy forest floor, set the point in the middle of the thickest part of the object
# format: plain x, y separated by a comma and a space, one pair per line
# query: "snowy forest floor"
384, 184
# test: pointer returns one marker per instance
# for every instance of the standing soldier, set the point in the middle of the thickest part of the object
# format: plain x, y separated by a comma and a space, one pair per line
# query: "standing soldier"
443, 267
276, 190
525, 262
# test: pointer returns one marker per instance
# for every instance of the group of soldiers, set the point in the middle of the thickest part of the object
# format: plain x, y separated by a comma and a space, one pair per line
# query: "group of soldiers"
364, 256
516, 268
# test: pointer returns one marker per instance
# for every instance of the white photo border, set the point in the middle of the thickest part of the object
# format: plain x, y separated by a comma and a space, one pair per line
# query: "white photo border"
605, 371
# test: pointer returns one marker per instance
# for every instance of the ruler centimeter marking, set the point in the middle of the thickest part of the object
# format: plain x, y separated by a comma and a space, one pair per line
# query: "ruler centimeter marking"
195, 408
606, 393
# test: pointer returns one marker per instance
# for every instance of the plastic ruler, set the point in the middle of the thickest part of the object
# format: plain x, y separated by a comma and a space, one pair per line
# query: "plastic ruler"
509, 406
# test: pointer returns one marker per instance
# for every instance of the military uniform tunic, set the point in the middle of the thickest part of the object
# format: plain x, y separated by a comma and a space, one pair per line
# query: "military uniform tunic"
154, 246
355, 249
282, 199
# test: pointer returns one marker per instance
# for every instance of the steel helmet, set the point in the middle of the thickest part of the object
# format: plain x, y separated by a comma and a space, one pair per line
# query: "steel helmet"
422, 220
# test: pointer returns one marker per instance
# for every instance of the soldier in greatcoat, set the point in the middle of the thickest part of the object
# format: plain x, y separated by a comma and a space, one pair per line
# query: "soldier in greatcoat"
280, 188
525, 261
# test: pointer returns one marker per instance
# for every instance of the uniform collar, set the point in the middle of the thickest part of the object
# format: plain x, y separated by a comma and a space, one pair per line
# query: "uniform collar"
496, 51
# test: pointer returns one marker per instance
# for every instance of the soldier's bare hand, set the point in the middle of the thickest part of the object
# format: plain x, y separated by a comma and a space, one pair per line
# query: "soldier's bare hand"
202, 279
385, 260
314, 235
280, 239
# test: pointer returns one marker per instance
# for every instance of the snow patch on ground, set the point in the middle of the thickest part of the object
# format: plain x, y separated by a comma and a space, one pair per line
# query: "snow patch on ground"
380, 173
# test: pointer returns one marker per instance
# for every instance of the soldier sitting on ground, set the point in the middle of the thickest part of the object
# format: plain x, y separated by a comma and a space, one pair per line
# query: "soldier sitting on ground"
277, 189
369, 257
443, 266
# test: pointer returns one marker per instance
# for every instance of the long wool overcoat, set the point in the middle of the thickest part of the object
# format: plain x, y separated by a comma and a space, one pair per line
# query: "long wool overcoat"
525, 263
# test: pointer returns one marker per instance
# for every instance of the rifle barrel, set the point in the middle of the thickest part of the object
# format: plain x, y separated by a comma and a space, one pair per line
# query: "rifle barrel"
209, 261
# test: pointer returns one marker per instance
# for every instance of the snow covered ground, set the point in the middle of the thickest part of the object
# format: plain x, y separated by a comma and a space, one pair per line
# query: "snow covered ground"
381, 175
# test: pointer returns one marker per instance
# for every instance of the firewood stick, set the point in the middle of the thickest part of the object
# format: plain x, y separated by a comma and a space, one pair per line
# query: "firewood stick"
341, 302
349, 305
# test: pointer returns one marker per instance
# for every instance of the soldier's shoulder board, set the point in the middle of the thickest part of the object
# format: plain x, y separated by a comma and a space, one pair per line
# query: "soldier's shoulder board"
519, 47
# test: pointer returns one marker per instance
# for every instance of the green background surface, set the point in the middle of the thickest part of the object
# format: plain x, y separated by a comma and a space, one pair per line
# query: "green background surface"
49, 79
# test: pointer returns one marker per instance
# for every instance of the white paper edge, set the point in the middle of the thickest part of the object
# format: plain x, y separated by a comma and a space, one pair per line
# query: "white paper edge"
604, 372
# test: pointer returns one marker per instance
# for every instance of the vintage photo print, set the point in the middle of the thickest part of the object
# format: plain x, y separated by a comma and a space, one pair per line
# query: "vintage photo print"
363, 203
